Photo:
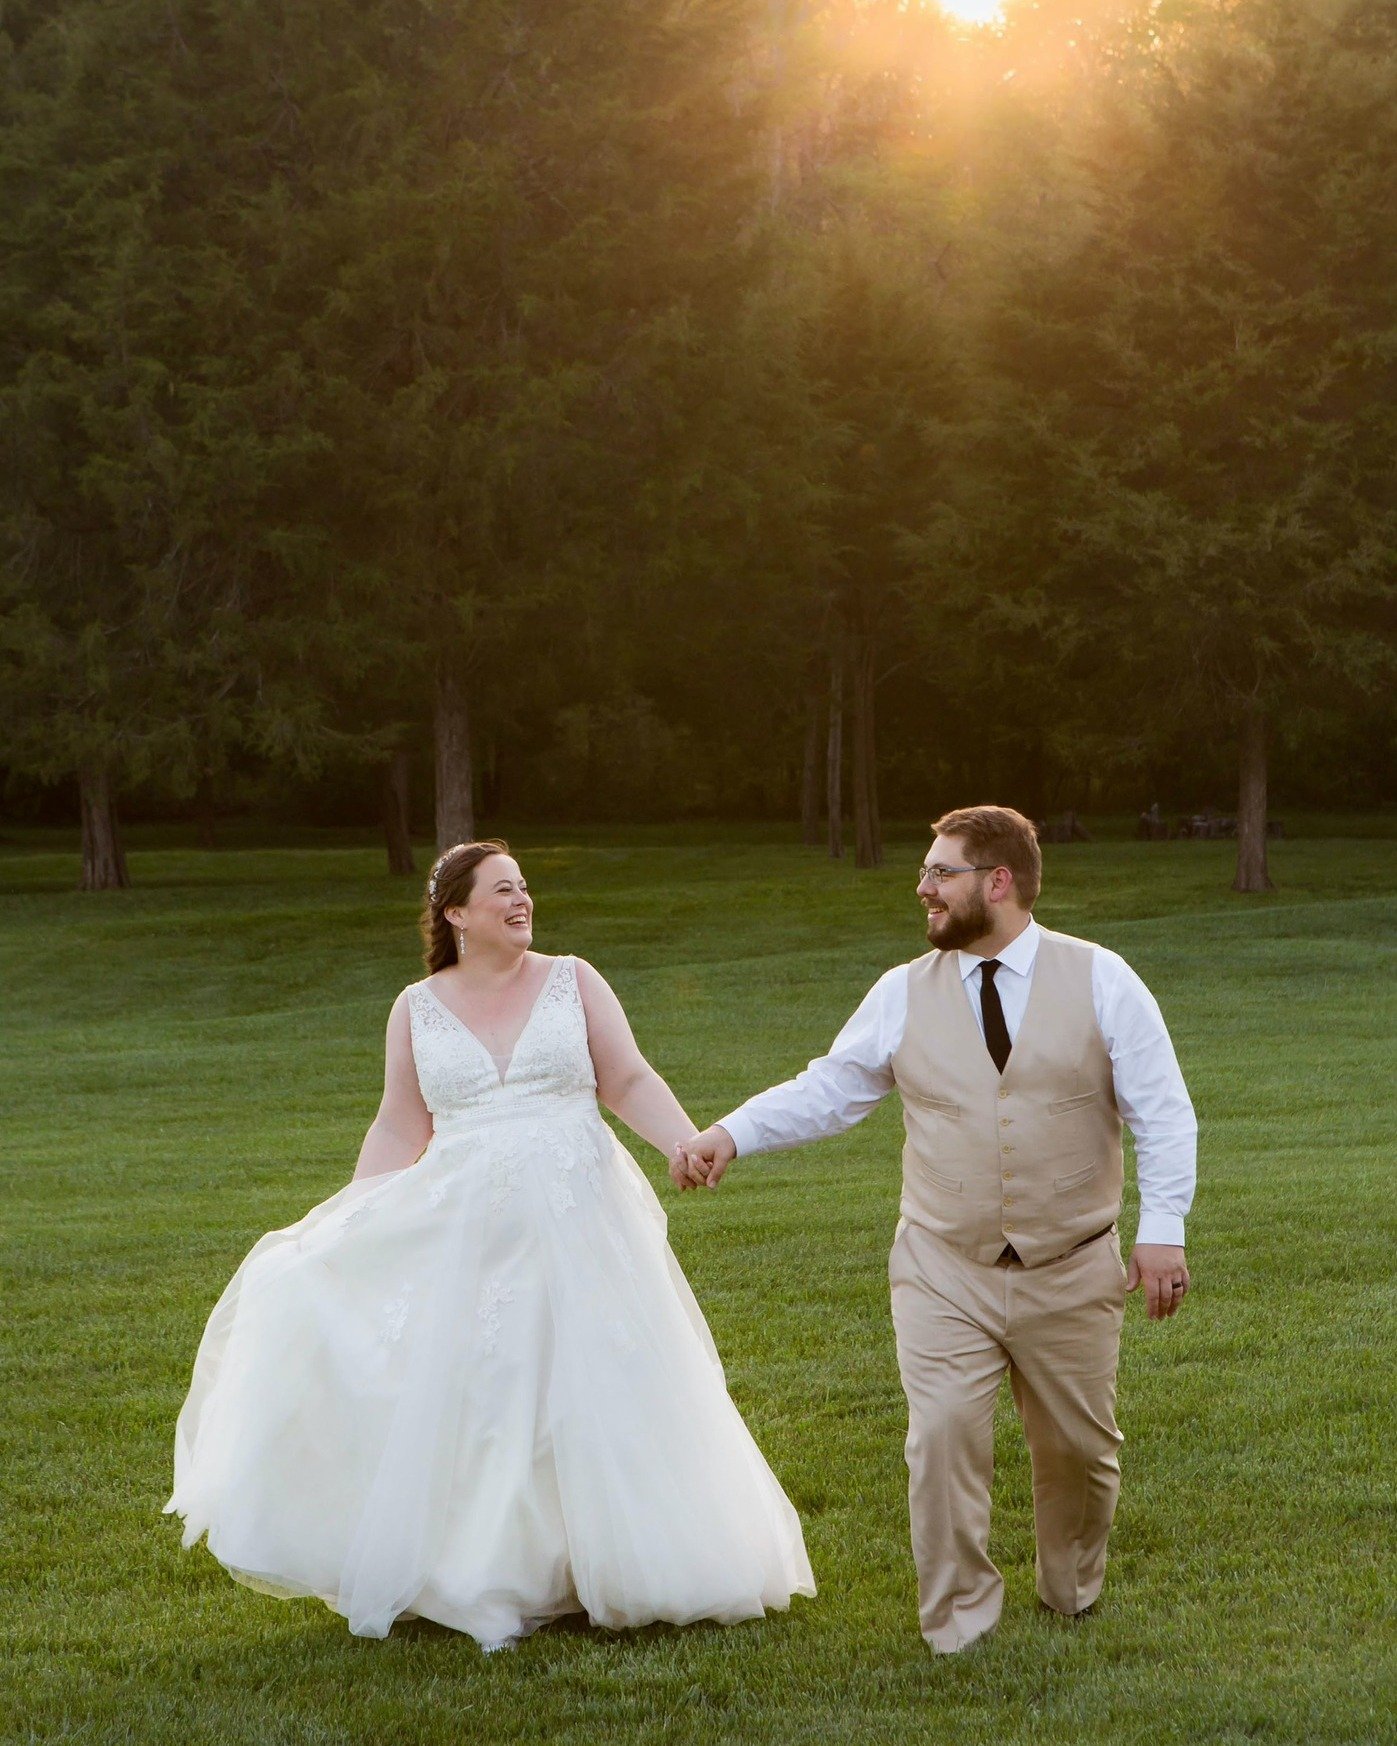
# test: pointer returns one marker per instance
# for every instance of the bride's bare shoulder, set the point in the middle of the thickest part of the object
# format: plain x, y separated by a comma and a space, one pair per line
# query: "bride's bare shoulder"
598, 996
400, 1017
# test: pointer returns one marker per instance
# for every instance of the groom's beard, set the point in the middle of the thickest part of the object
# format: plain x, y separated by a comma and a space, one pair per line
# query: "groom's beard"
957, 929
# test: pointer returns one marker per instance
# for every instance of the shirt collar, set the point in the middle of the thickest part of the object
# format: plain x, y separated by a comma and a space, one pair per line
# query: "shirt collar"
1017, 956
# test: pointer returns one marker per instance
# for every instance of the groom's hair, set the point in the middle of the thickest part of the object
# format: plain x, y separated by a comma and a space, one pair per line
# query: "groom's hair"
997, 836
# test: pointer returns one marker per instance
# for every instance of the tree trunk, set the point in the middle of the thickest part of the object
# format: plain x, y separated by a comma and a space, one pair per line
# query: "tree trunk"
1032, 798
1251, 801
868, 835
455, 810
834, 758
397, 815
103, 858
810, 772
491, 779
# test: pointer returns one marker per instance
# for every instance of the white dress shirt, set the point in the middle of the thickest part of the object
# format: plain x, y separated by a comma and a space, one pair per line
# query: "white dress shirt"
839, 1089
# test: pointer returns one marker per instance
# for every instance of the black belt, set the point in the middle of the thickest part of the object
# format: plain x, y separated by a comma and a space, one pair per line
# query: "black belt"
1010, 1257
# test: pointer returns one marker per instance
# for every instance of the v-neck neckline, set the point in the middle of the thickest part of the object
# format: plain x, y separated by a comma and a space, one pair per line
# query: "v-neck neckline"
456, 1019
1016, 1052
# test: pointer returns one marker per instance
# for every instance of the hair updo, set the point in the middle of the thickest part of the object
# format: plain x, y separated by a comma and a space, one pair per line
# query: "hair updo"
449, 886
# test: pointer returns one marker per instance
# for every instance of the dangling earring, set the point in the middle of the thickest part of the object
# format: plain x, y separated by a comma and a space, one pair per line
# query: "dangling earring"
460, 943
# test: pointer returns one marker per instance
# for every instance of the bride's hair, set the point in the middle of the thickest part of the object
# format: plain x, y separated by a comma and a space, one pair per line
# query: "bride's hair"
448, 884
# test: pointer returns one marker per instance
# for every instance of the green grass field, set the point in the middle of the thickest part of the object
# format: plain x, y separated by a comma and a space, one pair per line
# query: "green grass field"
190, 1063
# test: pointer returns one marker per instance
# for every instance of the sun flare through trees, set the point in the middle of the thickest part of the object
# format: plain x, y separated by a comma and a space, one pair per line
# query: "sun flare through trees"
633, 411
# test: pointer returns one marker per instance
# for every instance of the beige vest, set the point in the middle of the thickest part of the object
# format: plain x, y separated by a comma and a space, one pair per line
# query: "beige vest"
1032, 1158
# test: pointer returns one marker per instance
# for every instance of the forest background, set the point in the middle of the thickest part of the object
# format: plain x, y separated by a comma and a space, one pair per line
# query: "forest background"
648, 409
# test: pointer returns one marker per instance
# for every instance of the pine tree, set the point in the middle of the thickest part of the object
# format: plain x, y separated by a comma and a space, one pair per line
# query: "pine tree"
147, 564
523, 227
1213, 365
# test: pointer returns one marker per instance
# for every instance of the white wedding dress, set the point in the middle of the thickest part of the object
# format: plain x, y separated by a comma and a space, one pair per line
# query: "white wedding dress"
479, 1390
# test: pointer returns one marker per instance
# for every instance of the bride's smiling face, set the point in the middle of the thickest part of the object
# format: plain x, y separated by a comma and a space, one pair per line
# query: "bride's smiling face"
499, 913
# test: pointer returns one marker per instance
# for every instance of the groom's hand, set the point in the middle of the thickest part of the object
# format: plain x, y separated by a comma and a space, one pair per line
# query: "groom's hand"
1160, 1268
705, 1158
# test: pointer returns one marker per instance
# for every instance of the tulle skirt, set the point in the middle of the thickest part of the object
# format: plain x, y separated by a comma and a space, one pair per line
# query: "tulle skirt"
480, 1391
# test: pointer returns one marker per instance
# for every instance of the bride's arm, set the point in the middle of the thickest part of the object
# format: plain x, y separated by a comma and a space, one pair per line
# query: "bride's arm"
626, 1082
399, 1133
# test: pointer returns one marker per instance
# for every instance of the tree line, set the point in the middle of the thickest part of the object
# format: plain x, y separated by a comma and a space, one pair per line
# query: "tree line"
636, 407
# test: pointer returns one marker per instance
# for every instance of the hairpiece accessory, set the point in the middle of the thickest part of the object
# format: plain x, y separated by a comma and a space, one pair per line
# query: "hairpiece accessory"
437, 866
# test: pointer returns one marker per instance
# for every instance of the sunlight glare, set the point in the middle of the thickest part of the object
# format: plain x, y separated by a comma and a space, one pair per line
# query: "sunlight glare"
973, 11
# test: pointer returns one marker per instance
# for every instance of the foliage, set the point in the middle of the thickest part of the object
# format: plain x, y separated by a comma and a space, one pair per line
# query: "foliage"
1216, 361
629, 363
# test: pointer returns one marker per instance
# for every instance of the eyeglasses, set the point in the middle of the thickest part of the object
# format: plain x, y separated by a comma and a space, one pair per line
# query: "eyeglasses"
938, 875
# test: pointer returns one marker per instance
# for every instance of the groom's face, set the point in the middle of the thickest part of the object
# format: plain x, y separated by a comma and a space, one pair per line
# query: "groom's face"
957, 913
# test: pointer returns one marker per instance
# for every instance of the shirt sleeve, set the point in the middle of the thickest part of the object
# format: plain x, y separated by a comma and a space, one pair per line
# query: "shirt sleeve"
836, 1090
1151, 1096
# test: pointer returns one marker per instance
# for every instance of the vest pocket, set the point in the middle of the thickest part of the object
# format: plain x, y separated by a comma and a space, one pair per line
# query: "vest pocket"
939, 1104
950, 1183
1074, 1178
1063, 1104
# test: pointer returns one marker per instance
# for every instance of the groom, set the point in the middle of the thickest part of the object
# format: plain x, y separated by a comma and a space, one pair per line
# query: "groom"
1017, 1052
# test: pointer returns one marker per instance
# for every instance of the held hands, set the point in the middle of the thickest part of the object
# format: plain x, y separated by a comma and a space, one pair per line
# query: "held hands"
1161, 1269
702, 1161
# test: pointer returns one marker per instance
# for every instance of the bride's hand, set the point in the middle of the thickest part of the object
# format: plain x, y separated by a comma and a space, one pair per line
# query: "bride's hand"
705, 1158
679, 1167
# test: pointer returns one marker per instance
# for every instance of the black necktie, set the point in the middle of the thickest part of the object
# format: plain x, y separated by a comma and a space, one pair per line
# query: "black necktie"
996, 1031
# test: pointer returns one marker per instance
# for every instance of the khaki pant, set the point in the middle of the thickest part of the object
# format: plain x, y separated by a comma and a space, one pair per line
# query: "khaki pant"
1056, 1329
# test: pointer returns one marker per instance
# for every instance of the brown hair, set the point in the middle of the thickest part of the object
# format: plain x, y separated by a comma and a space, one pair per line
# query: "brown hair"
1000, 837
450, 883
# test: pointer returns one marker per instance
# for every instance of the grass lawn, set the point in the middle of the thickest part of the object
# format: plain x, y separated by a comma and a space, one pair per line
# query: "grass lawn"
191, 1063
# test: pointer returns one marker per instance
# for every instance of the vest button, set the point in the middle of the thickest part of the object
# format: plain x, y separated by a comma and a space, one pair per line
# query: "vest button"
1006, 1148
1004, 1094
1007, 1226
1008, 1175
1004, 1121
1008, 1200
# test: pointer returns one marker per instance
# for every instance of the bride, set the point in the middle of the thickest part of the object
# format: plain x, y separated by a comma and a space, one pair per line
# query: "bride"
474, 1386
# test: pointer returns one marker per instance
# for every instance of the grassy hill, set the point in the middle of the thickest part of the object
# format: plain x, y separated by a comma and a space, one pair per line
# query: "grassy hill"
192, 1062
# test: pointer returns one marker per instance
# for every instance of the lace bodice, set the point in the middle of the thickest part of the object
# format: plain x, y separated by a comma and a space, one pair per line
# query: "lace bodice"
551, 1064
